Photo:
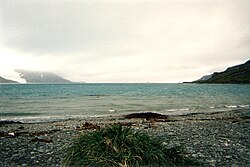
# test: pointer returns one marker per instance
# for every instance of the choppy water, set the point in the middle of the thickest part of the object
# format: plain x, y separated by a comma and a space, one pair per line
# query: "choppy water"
39, 102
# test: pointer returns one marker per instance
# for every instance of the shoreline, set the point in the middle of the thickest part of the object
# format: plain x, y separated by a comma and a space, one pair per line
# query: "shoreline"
177, 112
217, 139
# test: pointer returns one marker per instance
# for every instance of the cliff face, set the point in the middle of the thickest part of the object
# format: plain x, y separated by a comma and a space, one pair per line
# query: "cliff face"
41, 77
5, 81
239, 74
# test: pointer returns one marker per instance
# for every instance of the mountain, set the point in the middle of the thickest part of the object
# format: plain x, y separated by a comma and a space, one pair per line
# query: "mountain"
204, 78
41, 77
5, 81
239, 74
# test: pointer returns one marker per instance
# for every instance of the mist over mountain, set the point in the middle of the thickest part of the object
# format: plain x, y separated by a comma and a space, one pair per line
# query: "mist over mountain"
204, 78
41, 77
239, 74
3, 80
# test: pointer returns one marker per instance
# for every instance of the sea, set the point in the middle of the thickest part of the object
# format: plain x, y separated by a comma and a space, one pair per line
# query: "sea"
50, 102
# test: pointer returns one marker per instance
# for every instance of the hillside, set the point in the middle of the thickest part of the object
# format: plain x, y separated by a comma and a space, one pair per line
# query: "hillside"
41, 77
5, 81
204, 78
239, 74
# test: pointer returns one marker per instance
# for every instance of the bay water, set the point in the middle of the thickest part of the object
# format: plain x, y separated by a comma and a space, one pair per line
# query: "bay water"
47, 102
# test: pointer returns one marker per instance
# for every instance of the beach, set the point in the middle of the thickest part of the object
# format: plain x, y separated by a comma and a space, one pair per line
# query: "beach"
215, 138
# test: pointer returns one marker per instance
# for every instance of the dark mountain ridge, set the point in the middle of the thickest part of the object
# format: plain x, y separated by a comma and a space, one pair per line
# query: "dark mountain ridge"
239, 74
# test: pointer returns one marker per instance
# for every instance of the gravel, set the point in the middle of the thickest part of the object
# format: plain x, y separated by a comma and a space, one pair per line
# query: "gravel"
215, 139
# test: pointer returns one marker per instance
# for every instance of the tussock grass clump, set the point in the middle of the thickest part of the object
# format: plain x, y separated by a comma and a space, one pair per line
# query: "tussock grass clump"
121, 146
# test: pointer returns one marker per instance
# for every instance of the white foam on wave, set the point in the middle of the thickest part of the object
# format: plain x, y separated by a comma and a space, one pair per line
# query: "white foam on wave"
38, 119
177, 111
231, 106
244, 106
180, 109
31, 119
237, 106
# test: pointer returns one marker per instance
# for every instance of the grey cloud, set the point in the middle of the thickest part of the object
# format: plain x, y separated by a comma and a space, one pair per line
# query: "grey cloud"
112, 37
55, 26
115, 27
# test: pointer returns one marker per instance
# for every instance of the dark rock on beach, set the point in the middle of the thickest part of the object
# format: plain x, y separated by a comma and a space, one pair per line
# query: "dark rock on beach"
9, 122
147, 115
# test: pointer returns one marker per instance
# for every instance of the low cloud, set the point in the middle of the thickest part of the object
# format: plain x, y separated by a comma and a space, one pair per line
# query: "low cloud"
124, 41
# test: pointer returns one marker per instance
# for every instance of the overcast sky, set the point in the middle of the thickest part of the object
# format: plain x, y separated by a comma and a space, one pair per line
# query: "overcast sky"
124, 40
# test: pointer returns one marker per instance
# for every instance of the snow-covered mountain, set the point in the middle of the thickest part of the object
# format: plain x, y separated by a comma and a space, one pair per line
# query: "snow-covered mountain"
41, 77
6, 81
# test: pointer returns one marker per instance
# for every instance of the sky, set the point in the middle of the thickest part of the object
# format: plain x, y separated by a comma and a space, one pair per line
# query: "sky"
123, 40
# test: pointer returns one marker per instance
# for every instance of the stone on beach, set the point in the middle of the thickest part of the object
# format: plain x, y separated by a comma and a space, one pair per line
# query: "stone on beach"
218, 139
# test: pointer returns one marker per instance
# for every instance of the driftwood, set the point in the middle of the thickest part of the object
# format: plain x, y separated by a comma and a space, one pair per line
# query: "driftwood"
147, 115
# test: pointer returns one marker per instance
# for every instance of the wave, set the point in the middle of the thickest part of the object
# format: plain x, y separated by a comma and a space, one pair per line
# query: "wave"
230, 106
179, 109
197, 109
111, 110
244, 106
237, 106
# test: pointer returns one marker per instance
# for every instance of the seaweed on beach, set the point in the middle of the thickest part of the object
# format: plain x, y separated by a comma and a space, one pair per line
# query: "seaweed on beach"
5, 122
123, 146
146, 115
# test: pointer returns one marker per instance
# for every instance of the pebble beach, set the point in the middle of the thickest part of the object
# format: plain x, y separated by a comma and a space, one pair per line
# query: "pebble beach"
215, 139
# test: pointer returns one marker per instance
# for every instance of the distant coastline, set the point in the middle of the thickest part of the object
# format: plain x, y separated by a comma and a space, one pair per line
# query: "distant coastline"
239, 74
7, 81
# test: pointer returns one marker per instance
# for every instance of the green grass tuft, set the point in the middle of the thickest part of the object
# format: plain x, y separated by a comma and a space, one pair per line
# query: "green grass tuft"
122, 146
